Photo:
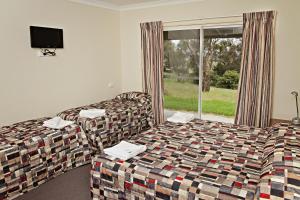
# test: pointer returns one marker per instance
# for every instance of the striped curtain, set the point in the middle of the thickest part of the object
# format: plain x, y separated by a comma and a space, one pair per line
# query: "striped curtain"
254, 105
152, 63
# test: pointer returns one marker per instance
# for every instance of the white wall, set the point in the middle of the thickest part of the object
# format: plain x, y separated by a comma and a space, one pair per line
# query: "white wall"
287, 77
31, 86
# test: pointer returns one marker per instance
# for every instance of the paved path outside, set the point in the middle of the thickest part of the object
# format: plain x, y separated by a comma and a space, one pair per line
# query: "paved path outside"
211, 117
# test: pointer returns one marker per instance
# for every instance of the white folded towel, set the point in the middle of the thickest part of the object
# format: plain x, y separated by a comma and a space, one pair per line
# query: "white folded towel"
125, 150
180, 117
57, 123
92, 113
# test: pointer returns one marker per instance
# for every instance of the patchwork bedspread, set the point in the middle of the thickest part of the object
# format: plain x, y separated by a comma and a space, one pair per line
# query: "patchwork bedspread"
30, 154
126, 115
198, 160
280, 176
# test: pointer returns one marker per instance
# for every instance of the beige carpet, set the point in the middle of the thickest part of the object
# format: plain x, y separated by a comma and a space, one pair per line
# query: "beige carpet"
73, 185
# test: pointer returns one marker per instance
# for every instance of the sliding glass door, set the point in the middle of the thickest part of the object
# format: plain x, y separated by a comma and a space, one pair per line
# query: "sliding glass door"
181, 70
201, 71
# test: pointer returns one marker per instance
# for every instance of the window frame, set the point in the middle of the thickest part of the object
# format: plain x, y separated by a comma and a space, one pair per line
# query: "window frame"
203, 26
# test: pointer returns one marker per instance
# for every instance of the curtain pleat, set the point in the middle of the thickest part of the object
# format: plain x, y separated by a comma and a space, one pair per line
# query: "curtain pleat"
152, 64
254, 107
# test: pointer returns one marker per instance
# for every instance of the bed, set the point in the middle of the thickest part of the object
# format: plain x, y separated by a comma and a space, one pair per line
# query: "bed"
280, 175
127, 114
203, 160
31, 154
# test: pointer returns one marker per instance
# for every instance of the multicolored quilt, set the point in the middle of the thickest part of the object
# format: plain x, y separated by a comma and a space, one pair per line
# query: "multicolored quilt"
280, 176
126, 115
30, 154
198, 160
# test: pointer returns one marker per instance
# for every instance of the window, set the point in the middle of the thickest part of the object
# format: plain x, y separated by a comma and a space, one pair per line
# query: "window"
201, 71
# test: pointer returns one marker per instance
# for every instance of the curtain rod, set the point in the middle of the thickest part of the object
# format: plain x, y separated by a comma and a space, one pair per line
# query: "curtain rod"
206, 18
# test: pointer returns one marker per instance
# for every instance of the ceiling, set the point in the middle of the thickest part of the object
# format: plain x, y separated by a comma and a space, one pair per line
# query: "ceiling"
127, 2
131, 4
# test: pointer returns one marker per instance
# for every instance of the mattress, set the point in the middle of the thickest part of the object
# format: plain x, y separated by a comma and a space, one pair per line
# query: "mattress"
30, 154
198, 160
125, 116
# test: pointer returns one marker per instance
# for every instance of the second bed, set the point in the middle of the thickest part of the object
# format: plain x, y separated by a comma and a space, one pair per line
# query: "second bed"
126, 115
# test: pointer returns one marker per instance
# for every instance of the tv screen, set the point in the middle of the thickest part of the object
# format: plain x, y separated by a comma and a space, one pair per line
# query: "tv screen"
42, 37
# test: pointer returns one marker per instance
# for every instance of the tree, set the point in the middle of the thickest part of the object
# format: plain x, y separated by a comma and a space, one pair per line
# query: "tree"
182, 59
190, 49
208, 59
174, 60
229, 80
178, 64
168, 50
220, 55
228, 55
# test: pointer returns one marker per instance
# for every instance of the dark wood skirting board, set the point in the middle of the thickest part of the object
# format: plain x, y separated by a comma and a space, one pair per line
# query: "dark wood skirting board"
275, 121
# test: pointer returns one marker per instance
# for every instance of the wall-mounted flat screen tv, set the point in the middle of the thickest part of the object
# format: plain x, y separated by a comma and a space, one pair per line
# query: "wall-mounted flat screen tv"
44, 37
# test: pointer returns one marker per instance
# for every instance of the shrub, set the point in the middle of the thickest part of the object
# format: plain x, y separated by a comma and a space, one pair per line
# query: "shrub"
229, 80
214, 79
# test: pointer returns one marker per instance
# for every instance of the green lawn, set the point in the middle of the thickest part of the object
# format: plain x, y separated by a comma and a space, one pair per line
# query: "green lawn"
184, 96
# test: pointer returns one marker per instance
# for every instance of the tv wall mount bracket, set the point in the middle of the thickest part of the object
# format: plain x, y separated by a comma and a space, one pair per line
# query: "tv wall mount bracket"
47, 52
